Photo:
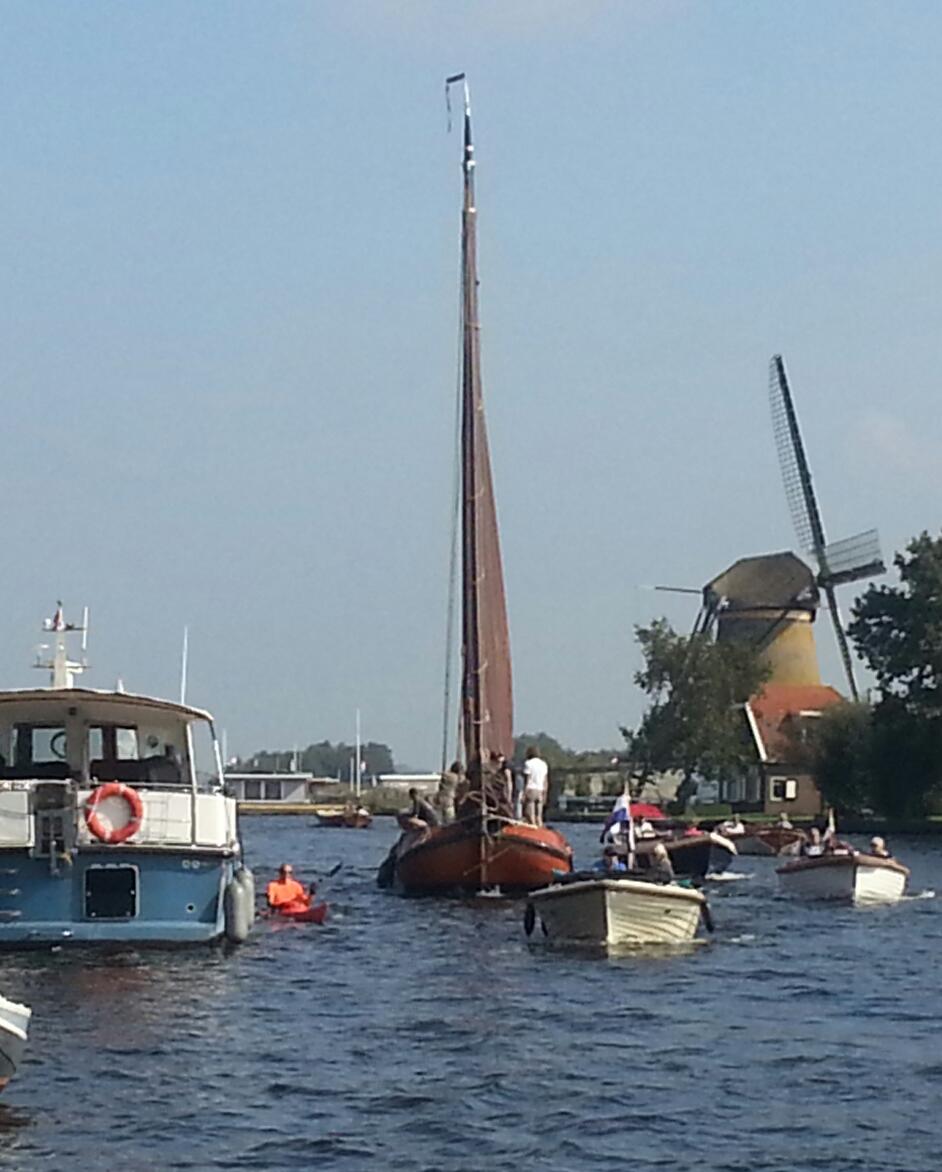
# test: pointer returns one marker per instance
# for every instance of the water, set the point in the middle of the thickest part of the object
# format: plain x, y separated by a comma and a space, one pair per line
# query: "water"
429, 1035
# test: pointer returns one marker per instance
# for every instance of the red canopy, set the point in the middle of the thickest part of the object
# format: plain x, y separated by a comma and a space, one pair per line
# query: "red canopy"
645, 810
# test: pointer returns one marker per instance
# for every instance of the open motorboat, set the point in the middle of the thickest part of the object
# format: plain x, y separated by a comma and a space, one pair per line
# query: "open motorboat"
845, 875
347, 817
692, 855
14, 1027
108, 834
768, 841
486, 846
611, 911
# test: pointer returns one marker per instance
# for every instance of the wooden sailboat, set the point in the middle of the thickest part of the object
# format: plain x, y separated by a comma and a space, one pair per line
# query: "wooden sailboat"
485, 847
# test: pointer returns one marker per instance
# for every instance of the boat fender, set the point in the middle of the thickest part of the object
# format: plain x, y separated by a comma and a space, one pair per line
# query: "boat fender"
707, 916
239, 906
529, 919
111, 834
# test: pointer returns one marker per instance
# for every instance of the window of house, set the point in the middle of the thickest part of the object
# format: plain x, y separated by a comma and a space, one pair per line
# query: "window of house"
253, 791
272, 791
783, 789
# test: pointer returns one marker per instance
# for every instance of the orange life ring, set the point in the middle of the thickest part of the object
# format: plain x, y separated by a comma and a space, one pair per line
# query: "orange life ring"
114, 789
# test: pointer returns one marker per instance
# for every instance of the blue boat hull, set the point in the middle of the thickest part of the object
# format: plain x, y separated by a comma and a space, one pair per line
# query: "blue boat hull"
168, 898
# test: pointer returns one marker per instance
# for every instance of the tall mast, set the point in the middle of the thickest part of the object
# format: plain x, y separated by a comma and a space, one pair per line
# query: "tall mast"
487, 699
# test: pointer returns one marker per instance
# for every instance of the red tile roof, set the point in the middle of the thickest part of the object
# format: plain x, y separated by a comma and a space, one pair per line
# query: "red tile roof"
773, 706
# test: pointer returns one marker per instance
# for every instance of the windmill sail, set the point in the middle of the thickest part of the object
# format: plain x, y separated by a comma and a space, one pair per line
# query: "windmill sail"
843, 561
487, 692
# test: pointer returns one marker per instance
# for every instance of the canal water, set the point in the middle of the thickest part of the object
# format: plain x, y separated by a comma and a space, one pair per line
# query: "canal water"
429, 1035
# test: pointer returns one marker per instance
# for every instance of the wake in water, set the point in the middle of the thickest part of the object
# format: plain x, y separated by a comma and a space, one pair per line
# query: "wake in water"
727, 876
927, 894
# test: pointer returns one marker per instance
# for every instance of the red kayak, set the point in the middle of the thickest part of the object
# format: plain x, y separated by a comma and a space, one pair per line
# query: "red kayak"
309, 915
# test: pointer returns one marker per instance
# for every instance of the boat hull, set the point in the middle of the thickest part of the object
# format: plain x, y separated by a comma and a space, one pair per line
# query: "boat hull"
613, 913
847, 878
463, 857
692, 857
770, 843
179, 899
345, 821
14, 1024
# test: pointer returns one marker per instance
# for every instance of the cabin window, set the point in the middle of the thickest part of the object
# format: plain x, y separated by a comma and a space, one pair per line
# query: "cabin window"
37, 745
253, 791
111, 893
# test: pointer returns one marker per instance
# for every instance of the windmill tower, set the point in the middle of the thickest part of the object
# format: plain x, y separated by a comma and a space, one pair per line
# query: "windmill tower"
844, 561
768, 603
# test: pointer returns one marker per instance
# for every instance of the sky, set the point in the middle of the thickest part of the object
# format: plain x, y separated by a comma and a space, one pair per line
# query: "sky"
228, 338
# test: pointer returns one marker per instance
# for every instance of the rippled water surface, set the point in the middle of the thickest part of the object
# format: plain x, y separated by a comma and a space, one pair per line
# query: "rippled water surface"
418, 1034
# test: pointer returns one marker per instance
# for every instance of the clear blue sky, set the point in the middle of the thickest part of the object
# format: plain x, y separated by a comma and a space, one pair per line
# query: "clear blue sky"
228, 338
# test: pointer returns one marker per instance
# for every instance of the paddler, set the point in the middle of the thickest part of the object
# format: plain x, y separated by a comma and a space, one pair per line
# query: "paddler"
285, 894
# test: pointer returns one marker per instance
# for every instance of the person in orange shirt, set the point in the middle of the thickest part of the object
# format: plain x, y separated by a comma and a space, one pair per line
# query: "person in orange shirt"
285, 894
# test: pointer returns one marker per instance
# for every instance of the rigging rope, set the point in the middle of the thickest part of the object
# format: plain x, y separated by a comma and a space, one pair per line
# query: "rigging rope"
453, 557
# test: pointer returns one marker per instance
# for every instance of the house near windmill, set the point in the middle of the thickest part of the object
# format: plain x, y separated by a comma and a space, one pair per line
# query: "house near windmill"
770, 602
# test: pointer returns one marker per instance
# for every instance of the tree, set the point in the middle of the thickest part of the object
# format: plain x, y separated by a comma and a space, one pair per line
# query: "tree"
695, 723
897, 631
839, 752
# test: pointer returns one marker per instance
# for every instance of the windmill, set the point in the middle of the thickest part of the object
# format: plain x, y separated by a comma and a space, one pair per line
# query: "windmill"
840, 562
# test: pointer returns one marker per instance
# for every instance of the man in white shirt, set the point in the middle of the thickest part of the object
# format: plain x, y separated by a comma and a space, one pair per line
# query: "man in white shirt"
535, 785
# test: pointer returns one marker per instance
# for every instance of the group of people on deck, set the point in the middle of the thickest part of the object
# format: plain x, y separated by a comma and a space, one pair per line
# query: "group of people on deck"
827, 843
503, 789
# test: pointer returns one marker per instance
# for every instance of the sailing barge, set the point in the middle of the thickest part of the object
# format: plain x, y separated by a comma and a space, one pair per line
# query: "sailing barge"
486, 847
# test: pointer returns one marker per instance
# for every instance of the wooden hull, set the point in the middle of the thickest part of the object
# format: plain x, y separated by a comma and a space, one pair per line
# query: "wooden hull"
345, 821
462, 857
770, 842
846, 878
692, 857
612, 913
14, 1023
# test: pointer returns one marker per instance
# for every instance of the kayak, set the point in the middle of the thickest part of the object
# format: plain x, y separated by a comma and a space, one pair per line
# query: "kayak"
309, 915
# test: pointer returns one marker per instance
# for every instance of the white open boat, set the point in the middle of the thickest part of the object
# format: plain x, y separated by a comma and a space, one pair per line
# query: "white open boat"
14, 1026
848, 876
608, 911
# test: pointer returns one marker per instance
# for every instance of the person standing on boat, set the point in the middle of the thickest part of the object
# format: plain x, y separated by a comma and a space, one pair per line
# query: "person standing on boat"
447, 791
285, 894
535, 785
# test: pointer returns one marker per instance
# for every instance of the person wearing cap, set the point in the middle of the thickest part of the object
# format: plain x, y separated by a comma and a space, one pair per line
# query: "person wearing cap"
285, 894
879, 848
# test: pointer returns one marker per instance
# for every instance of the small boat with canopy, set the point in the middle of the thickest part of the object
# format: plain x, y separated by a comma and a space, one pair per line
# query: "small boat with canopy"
486, 847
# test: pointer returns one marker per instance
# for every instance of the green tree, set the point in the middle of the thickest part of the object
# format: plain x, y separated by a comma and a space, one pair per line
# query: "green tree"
694, 723
897, 631
839, 752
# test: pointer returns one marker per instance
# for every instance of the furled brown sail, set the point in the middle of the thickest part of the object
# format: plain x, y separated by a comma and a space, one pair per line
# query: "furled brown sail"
487, 691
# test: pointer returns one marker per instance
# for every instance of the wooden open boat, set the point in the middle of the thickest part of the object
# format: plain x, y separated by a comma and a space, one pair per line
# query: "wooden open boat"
611, 912
693, 855
14, 1027
769, 841
358, 819
465, 857
847, 876
486, 847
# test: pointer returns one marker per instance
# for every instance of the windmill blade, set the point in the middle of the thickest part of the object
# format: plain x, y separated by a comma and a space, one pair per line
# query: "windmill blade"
796, 475
843, 645
853, 558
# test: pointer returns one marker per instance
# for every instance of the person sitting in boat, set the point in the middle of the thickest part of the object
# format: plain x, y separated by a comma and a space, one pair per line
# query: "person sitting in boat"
610, 862
285, 894
732, 826
646, 830
784, 822
693, 830
879, 848
422, 810
814, 846
660, 868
